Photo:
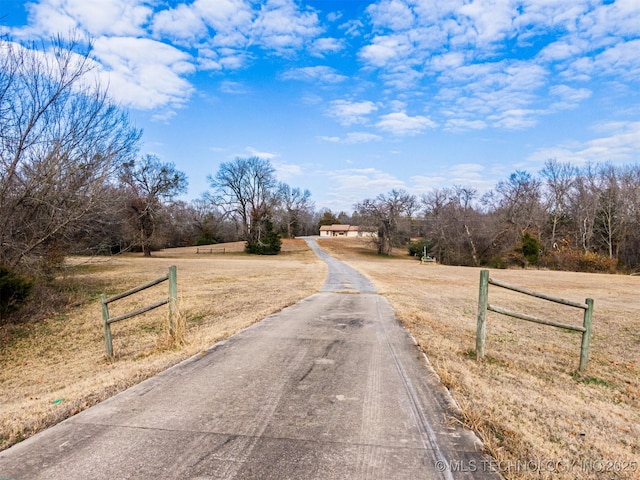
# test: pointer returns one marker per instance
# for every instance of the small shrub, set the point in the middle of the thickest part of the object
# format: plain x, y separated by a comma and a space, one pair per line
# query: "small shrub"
269, 245
14, 290
207, 240
416, 248
496, 261
515, 258
570, 259
595, 263
530, 248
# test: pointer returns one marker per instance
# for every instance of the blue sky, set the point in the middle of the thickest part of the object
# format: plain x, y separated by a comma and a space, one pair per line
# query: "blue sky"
350, 99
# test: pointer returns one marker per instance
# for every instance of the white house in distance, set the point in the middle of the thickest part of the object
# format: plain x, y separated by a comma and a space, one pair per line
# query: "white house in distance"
347, 231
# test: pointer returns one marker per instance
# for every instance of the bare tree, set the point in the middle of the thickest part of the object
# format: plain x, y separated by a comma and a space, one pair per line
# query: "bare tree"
592, 210
245, 190
61, 139
437, 221
386, 212
559, 179
327, 217
210, 224
584, 207
294, 205
518, 201
610, 217
452, 224
629, 180
149, 183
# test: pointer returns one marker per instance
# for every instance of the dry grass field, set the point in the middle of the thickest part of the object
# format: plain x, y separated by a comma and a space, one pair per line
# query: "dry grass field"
55, 368
537, 416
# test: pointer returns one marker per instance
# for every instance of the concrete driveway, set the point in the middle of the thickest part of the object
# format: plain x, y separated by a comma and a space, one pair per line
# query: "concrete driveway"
330, 388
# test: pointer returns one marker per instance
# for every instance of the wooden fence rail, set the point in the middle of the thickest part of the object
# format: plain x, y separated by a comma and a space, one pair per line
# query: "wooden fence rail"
211, 250
171, 277
484, 306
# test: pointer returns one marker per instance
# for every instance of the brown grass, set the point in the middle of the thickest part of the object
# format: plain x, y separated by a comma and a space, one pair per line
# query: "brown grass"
52, 369
536, 415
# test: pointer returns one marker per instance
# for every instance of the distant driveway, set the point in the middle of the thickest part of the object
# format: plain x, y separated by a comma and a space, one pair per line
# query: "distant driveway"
330, 388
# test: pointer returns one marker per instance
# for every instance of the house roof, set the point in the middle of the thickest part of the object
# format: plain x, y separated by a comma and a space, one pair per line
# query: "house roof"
346, 228
338, 228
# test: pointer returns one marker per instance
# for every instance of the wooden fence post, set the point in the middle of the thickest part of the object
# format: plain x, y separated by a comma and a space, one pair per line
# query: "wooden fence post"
173, 297
586, 335
483, 300
107, 328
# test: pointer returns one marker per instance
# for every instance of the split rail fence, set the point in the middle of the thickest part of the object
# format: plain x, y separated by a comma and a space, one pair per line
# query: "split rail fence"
171, 277
484, 306
211, 250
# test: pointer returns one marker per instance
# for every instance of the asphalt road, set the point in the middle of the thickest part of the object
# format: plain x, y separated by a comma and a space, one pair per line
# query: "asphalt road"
330, 388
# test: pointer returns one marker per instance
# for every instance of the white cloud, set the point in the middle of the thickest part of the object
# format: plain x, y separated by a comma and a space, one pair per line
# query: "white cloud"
361, 137
281, 26
563, 50
500, 94
399, 123
460, 124
387, 49
621, 18
319, 73
491, 20
143, 73
286, 172
471, 175
515, 119
234, 88
334, 16
183, 23
479, 64
325, 45
351, 186
95, 17
330, 139
620, 143
352, 28
482, 53
393, 14
46, 19
402, 78
349, 113
261, 154
621, 60
447, 61
353, 137
227, 18
568, 97
426, 183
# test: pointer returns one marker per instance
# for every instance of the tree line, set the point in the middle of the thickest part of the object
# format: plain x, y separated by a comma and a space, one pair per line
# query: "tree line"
72, 181
567, 217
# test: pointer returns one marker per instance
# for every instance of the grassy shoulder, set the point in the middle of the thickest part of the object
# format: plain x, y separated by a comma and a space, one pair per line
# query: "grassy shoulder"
54, 368
536, 415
